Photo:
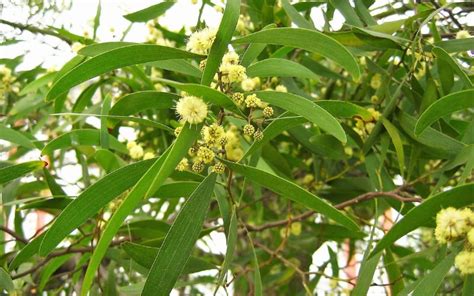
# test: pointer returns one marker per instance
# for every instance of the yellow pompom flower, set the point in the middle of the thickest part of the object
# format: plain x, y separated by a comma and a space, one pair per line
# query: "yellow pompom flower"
238, 98
376, 81
375, 114
230, 58
281, 88
136, 152
149, 155
464, 261
248, 129
470, 237
76, 46
205, 154
296, 228
232, 73
258, 135
191, 109
463, 34
449, 225
131, 144
198, 167
267, 112
252, 101
182, 165
218, 168
248, 84
213, 134
201, 41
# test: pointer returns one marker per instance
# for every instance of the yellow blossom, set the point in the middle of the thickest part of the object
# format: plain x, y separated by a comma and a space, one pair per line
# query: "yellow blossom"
450, 225
136, 152
182, 165
464, 261
218, 168
213, 134
232, 73
252, 101
248, 129
230, 58
296, 228
375, 114
205, 154
149, 155
191, 109
201, 41
281, 88
463, 34
248, 84
76, 46
267, 112
376, 81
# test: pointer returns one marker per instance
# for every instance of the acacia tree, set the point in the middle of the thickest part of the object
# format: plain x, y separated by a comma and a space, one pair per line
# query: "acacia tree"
312, 151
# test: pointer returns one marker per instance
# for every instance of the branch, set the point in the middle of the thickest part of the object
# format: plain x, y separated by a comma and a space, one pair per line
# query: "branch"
13, 234
36, 30
355, 200
61, 253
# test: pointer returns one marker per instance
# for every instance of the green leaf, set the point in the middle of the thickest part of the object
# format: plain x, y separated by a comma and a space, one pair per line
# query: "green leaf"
26, 252
254, 49
327, 146
81, 137
16, 137
98, 48
144, 255
455, 45
147, 185
91, 200
430, 282
431, 137
229, 254
348, 12
6, 282
423, 215
50, 268
178, 66
365, 275
209, 95
114, 59
307, 109
176, 189
97, 20
37, 83
444, 106
308, 40
180, 240
223, 37
257, 279
394, 273
280, 68
18, 170
149, 13
343, 109
442, 54
140, 101
293, 192
397, 143
295, 16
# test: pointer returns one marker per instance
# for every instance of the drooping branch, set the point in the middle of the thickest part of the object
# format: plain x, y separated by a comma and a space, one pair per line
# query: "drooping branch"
36, 30
363, 197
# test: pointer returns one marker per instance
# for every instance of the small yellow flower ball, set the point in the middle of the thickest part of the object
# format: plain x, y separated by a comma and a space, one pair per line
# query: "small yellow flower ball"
238, 98
281, 88
258, 135
191, 109
205, 154
267, 112
149, 155
374, 99
463, 34
218, 168
464, 261
230, 58
308, 178
201, 41
252, 101
376, 81
296, 228
131, 144
136, 152
198, 167
232, 73
248, 129
178, 130
470, 237
182, 165
248, 84
449, 225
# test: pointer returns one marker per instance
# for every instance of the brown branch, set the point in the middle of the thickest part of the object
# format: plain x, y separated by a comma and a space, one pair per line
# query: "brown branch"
36, 30
13, 234
355, 200
61, 253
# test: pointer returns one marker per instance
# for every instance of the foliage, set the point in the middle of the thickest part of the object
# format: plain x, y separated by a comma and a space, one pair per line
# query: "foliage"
312, 151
